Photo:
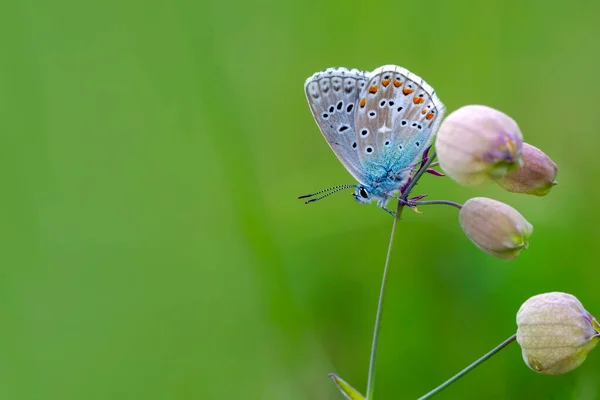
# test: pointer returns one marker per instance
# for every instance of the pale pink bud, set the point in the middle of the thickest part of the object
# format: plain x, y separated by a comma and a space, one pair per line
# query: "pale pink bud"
495, 227
555, 332
476, 144
537, 174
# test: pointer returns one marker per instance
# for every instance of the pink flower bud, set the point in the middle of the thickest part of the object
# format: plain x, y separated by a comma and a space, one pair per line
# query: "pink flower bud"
495, 227
536, 176
476, 144
555, 332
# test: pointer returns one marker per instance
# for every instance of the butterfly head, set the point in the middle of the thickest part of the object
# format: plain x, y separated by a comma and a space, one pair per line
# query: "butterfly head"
362, 194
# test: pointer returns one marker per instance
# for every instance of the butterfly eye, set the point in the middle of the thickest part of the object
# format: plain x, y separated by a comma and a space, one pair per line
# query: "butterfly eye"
363, 193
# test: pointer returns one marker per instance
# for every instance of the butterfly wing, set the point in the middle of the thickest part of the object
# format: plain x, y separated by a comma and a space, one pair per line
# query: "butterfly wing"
396, 119
332, 96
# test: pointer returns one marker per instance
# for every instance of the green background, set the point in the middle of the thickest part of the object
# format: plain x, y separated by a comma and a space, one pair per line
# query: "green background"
152, 243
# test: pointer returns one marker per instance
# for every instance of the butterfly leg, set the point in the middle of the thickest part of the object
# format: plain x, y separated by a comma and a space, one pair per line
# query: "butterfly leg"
411, 203
382, 203
392, 213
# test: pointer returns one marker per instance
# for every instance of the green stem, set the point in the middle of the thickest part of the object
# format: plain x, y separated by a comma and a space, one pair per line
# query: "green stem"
469, 368
418, 175
400, 207
371, 378
430, 202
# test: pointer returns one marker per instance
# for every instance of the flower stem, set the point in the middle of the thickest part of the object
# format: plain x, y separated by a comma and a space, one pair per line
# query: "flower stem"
469, 368
400, 207
418, 175
371, 378
447, 202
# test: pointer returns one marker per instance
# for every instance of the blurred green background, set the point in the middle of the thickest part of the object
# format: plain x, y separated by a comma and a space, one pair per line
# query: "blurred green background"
153, 246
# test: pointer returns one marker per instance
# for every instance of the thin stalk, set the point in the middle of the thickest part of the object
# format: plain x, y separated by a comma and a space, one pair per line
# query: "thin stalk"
469, 368
430, 202
418, 175
399, 208
371, 378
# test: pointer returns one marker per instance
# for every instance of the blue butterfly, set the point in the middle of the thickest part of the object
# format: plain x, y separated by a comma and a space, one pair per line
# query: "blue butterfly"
379, 124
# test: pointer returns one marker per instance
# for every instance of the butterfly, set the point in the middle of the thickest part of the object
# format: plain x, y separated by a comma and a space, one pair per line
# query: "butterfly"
379, 124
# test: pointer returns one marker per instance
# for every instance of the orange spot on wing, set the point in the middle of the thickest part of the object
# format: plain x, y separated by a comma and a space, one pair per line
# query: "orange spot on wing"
385, 82
418, 100
397, 82
407, 91
424, 112
362, 103
429, 116
373, 89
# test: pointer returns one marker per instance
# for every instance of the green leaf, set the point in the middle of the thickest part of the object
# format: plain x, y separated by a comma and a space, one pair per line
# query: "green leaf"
348, 391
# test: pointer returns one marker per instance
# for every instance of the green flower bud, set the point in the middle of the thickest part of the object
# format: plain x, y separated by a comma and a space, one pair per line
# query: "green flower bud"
555, 333
477, 144
536, 176
495, 227
348, 391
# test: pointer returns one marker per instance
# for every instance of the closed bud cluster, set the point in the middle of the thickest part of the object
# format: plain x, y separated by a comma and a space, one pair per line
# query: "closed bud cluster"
495, 227
537, 174
476, 144
555, 332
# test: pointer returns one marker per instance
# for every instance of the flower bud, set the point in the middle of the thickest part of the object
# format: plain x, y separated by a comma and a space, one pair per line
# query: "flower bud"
555, 332
536, 176
495, 227
476, 144
348, 391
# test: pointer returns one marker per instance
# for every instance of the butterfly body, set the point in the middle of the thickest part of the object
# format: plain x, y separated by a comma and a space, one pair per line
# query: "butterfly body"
377, 123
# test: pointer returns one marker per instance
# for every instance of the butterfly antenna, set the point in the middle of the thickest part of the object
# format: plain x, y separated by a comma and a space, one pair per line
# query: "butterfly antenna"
338, 187
328, 192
